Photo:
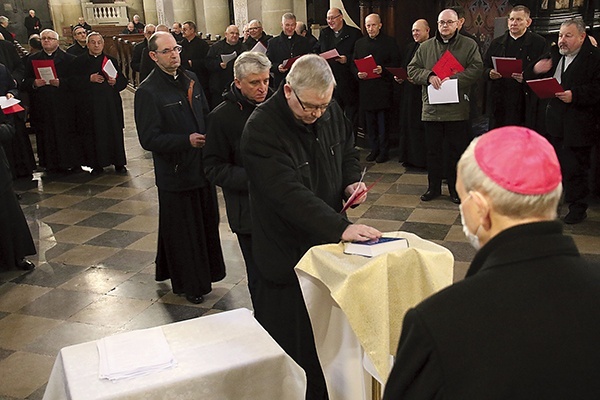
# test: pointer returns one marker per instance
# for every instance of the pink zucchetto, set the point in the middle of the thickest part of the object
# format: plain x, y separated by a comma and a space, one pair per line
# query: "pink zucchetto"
519, 160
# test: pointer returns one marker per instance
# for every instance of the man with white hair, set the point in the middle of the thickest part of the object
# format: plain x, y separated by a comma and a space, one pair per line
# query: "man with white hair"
8, 36
32, 23
298, 152
138, 50
523, 324
256, 34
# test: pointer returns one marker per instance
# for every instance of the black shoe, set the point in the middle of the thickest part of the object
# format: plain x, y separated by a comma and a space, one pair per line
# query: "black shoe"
430, 195
454, 198
25, 264
372, 156
97, 171
120, 169
575, 216
194, 299
382, 158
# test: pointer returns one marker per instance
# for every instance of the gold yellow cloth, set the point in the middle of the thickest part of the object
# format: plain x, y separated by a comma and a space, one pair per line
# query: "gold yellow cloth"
375, 293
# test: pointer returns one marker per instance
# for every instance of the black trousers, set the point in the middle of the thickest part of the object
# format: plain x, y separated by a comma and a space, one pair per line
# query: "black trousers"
575, 165
280, 309
245, 241
452, 136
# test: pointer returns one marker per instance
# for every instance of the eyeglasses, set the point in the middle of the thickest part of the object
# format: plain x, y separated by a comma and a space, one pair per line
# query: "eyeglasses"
333, 18
176, 49
48, 38
444, 23
254, 28
310, 107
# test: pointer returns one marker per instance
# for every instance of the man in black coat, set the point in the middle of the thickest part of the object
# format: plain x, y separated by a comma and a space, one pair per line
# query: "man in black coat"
222, 156
342, 37
256, 34
221, 72
169, 114
298, 151
9, 56
99, 109
79, 47
138, 50
510, 98
193, 55
285, 46
571, 117
524, 322
51, 113
32, 23
15, 238
376, 94
412, 131
82, 23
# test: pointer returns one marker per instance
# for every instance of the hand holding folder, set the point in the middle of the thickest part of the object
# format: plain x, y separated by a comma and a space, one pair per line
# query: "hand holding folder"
447, 66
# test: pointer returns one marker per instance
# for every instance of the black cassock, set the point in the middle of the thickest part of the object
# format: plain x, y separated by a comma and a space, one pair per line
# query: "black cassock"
15, 237
99, 112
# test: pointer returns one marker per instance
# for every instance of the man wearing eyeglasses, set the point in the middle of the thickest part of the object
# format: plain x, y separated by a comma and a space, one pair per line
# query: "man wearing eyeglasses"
51, 113
256, 34
445, 124
342, 37
79, 47
170, 110
298, 152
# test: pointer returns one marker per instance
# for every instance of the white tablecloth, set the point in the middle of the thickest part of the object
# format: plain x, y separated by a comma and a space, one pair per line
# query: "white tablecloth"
356, 306
222, 356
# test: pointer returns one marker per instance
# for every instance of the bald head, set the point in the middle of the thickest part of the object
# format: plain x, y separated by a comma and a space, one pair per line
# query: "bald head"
420, 31
232, 35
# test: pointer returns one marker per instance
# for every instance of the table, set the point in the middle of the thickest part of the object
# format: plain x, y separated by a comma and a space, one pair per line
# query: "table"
356, 306
221, 356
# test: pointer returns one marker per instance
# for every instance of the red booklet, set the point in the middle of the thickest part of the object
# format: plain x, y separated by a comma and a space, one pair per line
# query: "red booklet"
287, 64
330, 54
44, 69
398, 72
447, 66
367, 65
13, 109
545, 88
507, 66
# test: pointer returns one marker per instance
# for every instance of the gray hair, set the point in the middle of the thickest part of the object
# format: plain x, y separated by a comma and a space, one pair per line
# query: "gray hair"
250, 62
3, 19
149, 26
578, 22
87, 38
288, 16
311, 72
505, 202
49, 30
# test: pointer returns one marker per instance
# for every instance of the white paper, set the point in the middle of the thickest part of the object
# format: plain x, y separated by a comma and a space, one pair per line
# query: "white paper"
447, 93
46, 74
228, 57
5, 103
110, 69
259, 47
501, 58
134, 353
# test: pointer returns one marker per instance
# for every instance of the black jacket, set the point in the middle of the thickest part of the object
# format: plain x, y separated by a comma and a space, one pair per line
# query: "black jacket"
376, 94
223, 162
76, 49
297, 176
281, 48
523, 324
195, 51
575, 122
136, 56
347, 84
220, 78
164, 121
511, 101
251, 42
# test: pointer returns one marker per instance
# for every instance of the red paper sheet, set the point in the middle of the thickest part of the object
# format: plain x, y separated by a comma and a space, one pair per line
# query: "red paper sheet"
545, 88
447, 66
13, 109
367, 65
398, 72
43, 64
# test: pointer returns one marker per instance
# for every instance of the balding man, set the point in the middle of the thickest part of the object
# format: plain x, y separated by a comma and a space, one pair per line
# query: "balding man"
82, 23
51, 113
221, 71
524, 322
32, 24
572, 115
285, 46
342, 37
138, 51
446, 125
297, 187
302, 30
376, 94
176, 31
256, 34
412, 130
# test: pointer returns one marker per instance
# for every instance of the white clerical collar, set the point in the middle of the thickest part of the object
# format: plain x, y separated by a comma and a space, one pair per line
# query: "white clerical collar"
515, 37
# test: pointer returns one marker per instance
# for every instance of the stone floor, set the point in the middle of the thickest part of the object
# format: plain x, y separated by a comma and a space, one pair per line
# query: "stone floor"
96, 241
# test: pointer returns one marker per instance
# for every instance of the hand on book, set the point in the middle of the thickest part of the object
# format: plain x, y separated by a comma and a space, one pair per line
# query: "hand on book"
361, 190
436, 82
495, 74
359, 233
566, 96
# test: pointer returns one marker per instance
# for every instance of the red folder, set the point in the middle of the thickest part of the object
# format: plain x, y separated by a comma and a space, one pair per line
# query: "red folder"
330, 54
398, 72
43, 64
447, 66
367, 65
507, 66
545, 88
13, 109
287, 64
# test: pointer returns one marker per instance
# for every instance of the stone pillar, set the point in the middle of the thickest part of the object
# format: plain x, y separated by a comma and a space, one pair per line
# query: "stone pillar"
64, 13
240, 13
150, 12
183, 10
272, 10
164, 12
216, 13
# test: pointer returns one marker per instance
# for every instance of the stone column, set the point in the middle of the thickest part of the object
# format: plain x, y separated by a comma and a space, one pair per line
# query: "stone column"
272, 10
240, 13
183, 10
150, 12
64, 13
164, 12
216, 13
